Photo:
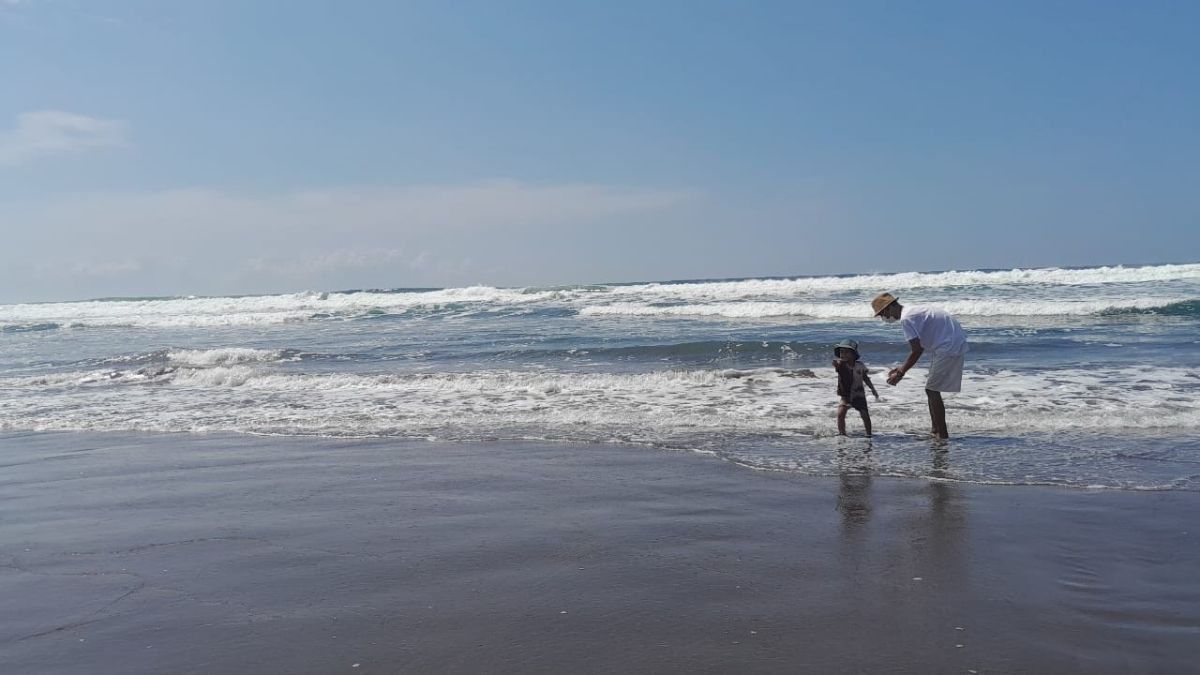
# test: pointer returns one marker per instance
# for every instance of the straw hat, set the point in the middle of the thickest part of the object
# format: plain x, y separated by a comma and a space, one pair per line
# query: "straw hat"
882, 301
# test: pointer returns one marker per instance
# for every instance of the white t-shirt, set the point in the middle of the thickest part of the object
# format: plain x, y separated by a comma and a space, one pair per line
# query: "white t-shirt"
939, 332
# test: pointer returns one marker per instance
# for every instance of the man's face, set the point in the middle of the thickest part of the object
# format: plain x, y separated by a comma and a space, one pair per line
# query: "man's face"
890, 314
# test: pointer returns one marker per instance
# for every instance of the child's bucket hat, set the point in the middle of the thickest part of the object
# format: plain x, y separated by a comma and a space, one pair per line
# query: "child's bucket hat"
846, 344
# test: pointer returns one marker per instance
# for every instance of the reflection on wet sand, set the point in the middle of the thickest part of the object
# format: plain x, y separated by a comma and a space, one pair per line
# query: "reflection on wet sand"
939, 451
854, 482
936, 535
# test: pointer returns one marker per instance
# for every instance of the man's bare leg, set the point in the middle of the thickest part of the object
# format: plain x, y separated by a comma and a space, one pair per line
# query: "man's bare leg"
866, 417
937, 413
842, 419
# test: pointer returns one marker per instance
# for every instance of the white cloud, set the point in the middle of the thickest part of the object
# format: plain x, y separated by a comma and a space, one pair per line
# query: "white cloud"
354, 266
50, 132
216, 241
332, 215
87, 268
330, 261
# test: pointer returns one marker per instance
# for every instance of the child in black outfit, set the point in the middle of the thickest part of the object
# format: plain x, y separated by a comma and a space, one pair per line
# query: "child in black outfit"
852, 376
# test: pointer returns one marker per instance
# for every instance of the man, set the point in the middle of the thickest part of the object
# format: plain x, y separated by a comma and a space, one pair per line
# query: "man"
932, 329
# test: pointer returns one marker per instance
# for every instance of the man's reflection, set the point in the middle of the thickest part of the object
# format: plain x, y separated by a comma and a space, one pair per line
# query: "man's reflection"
940, 452
932, 515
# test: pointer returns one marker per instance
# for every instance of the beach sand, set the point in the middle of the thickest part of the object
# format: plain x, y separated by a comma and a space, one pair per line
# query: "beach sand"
237, 554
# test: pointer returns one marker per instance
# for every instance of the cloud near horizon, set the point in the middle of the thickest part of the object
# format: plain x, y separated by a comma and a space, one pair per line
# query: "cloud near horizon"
46, 133
214, 241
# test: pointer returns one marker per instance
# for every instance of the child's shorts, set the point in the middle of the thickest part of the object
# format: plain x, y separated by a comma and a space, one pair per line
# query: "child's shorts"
859, 404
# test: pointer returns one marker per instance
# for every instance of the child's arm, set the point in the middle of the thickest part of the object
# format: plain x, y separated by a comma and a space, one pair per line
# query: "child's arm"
867, 381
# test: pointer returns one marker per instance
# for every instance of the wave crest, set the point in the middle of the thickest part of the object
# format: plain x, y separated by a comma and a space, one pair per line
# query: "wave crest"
861, 310
746, 298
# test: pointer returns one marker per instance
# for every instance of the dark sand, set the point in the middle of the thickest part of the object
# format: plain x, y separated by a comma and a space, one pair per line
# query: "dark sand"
233, 554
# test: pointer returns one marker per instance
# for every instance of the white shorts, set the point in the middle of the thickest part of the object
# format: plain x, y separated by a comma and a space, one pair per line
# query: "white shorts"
945, 373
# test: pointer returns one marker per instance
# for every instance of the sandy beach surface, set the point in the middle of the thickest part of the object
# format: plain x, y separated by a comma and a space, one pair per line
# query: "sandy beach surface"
241, 554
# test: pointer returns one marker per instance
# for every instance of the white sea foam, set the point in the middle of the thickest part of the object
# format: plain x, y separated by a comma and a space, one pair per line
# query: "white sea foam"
859, 309
1039, 292
251, 310
684, 407
751, 288
767, 418
224, 356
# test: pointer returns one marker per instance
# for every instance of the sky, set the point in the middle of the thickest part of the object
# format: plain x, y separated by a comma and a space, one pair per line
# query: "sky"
152, 148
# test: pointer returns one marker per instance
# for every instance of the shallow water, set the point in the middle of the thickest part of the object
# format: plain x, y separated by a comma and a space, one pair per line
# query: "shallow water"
1080, 377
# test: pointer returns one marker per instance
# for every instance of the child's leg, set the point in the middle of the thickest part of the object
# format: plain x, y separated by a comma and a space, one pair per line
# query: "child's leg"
866, 417
841, 417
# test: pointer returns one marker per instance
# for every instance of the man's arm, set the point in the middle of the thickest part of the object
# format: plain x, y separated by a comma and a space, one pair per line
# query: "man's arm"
915, 351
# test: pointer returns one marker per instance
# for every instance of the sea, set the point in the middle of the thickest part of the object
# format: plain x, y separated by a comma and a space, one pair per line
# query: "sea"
1080, 377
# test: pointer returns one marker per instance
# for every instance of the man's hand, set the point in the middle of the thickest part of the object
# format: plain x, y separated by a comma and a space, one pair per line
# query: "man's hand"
894, 376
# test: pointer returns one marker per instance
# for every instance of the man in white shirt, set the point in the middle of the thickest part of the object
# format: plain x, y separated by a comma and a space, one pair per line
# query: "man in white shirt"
928, 329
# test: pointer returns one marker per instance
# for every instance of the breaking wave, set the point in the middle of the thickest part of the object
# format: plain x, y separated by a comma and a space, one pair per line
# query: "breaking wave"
246, 393
1014, 292
860, 310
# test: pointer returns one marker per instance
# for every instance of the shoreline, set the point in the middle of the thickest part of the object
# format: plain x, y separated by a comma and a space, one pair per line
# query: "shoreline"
142, 553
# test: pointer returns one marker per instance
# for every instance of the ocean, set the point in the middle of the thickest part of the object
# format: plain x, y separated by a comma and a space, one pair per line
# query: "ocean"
1085, 377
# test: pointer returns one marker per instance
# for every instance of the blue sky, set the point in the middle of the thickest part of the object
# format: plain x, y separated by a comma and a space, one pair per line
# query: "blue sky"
212, 147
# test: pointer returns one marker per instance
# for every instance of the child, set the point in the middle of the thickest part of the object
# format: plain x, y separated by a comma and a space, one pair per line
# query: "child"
852, 375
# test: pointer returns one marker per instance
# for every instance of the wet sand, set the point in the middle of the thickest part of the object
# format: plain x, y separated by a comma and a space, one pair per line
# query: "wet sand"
234, 554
